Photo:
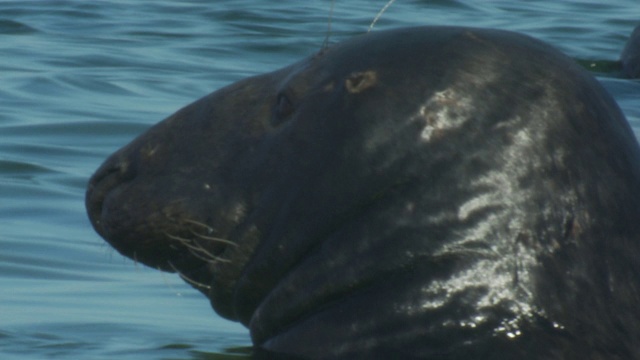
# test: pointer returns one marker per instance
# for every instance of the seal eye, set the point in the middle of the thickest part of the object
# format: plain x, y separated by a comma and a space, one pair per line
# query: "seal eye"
284, 108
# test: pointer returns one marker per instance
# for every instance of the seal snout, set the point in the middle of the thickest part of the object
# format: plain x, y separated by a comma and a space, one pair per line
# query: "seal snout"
115, 171
145, 208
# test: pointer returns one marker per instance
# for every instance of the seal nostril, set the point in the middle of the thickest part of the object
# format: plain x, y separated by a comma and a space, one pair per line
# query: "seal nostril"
112, 173
115, 171
109, 176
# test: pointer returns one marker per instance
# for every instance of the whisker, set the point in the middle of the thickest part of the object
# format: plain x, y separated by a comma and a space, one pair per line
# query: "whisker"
209, 228
375, 20
197, 250
188, 279
325, 44
214, 239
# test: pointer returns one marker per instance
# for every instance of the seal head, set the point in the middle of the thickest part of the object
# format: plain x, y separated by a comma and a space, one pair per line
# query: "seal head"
433, 192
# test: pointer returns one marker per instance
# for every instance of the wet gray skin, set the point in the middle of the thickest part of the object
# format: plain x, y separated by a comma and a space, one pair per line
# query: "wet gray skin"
433, 192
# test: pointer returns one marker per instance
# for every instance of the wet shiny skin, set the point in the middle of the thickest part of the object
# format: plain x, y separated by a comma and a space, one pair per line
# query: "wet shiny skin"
423, 191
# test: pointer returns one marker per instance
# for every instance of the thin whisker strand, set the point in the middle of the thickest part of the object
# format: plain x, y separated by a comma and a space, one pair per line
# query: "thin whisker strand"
188, 279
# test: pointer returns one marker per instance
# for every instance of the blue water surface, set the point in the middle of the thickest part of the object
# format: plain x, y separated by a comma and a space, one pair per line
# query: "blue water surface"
79, 79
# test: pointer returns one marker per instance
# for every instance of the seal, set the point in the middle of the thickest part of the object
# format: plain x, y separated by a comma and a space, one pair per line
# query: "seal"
428, 192
630, 57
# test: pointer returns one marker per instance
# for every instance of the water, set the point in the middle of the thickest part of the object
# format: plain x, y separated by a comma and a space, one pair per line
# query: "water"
79, 79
